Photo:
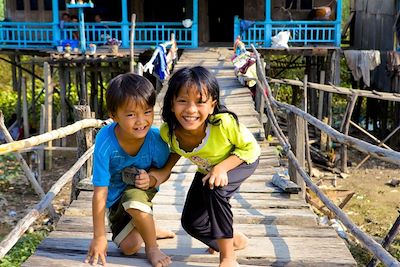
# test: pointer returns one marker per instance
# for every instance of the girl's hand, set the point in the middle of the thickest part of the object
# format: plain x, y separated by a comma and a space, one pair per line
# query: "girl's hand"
142, 180
216, 177
97, 251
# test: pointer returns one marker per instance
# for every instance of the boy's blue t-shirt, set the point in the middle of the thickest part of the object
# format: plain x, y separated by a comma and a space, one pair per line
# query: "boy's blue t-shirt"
110, 159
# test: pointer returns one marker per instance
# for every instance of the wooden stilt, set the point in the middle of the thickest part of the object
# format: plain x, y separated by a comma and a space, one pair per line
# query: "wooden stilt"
48, 115
84, 141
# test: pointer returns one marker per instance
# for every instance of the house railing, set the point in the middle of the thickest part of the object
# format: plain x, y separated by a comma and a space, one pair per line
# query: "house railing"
40, 34
302, 33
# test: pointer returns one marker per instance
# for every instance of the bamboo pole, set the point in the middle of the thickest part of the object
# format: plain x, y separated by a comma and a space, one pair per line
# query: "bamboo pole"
340, 90
12, 238
382, 143
29, 174
55, 134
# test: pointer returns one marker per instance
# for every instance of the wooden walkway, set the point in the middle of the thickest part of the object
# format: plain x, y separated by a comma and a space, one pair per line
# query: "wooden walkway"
283, 230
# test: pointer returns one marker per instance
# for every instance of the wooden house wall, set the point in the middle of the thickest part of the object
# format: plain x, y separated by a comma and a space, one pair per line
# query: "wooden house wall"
373, 25
278, 9
27, 14
254, 10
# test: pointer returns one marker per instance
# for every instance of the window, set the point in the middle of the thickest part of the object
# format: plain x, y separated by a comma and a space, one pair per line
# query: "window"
20, 5
34, 4
306, 4
61, 5
298, 4
48, 5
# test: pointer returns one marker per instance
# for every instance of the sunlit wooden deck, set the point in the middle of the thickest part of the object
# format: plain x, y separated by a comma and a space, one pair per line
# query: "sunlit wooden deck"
283, 230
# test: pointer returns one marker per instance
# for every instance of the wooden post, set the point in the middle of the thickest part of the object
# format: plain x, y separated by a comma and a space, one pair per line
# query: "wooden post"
41, 131
63, 99
132, 51
48, 115
321, 95
84, 92
296, 139
84, 141
33, 109
307, 143
25, 116
345, 130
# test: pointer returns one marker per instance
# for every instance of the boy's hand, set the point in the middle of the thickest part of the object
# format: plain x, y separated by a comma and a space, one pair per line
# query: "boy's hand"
216, 177
142, 180
97, 251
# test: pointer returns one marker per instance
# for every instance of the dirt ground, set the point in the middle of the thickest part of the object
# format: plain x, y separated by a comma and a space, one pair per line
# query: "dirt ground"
17, 196
374, 206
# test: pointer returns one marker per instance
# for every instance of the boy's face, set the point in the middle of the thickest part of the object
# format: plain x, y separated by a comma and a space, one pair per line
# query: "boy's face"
134, 119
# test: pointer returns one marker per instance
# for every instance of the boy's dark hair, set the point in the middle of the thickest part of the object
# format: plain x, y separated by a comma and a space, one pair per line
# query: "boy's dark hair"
126, 87
197, 77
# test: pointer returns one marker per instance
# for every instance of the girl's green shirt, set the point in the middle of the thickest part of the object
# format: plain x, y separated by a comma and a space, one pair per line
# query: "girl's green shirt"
222, 140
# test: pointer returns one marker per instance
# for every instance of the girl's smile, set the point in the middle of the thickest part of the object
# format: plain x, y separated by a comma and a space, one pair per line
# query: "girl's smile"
192, 108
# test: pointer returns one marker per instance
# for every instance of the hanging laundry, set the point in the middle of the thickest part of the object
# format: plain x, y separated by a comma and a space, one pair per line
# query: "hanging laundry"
246, 24
158, 62
361, 62
393, 63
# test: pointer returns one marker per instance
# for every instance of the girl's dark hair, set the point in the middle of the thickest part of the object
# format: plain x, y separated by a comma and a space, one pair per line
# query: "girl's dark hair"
197, 77
129, 86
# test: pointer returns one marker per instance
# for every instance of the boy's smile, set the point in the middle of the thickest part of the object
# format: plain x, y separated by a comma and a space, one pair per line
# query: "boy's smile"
134, 120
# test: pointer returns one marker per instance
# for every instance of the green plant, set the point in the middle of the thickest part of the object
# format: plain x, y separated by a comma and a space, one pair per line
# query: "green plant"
9, 169
24, 248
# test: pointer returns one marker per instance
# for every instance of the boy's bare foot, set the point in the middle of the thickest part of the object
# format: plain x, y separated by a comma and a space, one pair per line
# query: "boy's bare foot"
157, 258
240, 241
228, 263
163, 234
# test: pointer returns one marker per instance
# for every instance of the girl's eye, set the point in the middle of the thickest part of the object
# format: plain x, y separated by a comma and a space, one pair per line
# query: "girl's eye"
181, 100
148, 112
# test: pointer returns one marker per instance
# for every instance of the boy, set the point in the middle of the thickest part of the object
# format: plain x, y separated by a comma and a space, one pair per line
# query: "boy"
128, 141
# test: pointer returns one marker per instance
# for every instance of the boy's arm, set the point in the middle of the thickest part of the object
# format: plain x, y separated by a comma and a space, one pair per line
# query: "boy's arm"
98, 247
159, 176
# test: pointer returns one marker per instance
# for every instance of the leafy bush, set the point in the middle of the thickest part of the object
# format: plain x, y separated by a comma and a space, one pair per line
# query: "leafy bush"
23, 249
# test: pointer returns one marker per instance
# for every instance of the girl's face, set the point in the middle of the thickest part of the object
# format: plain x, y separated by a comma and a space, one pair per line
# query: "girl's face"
192, 109
134, 119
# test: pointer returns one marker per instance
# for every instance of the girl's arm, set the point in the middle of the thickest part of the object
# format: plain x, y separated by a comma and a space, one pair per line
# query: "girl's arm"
98, 247
159, 176
218, 175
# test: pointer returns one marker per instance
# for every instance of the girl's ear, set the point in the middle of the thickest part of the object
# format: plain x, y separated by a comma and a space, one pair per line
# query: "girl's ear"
213, 104
111, 115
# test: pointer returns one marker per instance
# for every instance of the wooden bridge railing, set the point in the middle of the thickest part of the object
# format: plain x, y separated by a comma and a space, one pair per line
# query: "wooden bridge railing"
264, 92
9, 241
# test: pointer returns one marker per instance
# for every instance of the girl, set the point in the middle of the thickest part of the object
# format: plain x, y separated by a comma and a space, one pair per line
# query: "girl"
199, 128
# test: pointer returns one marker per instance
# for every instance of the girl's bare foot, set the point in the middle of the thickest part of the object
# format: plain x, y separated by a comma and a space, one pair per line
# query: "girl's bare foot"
240, 241
163, 234
157, 258
227, 262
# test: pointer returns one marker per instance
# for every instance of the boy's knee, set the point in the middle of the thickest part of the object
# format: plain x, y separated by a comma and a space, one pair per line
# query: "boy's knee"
130, 248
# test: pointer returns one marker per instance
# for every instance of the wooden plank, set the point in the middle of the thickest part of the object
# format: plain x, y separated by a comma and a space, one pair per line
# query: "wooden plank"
249, 216
84, 224
261, 251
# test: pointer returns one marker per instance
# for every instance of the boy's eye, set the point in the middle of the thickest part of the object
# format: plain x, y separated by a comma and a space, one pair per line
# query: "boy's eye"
147, 112
131, 115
